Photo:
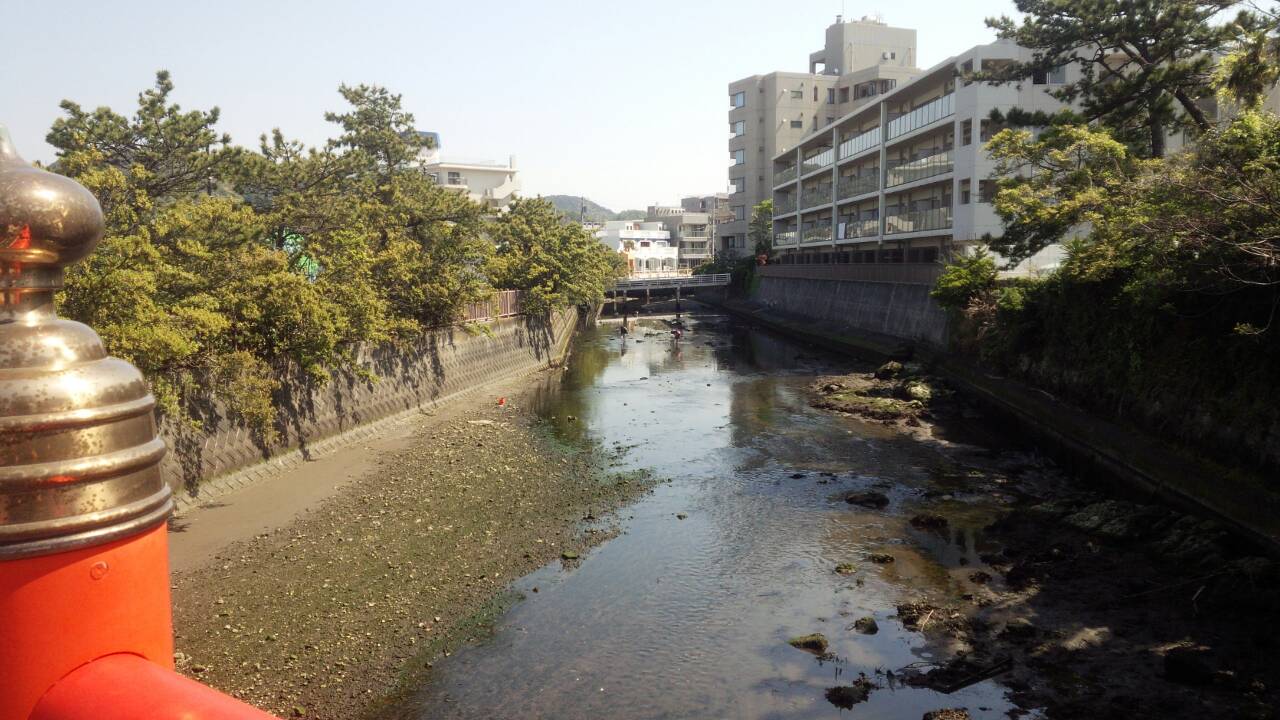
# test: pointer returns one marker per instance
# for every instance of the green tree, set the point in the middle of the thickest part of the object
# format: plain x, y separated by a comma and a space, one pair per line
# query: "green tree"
761, 228
553, 263
1145, 64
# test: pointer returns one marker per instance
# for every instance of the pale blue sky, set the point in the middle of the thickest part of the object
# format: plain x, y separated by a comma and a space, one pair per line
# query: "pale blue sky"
622, 102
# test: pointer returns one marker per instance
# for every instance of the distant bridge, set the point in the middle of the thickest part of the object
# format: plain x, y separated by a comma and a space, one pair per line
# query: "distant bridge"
676, 282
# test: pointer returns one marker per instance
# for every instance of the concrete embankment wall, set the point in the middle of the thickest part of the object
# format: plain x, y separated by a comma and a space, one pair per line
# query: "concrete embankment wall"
1099, 449
898, 310
393, 383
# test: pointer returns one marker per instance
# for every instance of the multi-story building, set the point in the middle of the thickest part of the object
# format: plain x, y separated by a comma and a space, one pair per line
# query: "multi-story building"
771, 113
690, 232
490, 183
646, 246
905, 179
717, 209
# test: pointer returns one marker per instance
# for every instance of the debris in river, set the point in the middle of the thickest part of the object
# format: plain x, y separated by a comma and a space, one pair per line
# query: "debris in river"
846, 696
880, 558
846, 569
948, 714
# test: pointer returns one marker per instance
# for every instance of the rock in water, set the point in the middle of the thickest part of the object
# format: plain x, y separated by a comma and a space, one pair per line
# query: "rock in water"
868, 499
866, 625
927, 521
889, 370
815, 643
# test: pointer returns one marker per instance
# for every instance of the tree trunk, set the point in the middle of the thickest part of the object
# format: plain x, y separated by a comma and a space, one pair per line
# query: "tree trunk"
1156, 128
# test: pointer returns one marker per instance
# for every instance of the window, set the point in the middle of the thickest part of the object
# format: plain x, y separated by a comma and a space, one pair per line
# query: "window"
738, 128
830, 119
964, 191
738, 156
1039, 77
1058, 75
739, 212
966, 71
986, 191
844, 94
738, 184
966, 132
797, 124
831, 96
815, 93
738, 100
797, 94
455, 178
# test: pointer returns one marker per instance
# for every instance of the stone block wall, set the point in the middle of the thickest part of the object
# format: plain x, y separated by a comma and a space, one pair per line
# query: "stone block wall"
395, 380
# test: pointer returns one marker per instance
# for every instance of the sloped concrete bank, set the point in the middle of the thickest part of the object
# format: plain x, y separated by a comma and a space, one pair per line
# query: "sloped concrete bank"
394, 384
1097, 449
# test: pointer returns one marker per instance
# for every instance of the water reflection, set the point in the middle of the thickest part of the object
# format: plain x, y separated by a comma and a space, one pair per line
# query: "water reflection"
680, 618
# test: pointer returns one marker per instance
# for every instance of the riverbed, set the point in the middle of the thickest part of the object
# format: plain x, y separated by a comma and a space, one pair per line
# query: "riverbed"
746, 543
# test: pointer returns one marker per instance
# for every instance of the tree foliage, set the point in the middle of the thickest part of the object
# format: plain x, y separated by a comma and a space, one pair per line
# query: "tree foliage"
224, 270
1145, 65
554, 263
761, 227
1165, 307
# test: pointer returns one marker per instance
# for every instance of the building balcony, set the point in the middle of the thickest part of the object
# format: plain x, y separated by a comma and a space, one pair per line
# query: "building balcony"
813, 197
784, 204
859, 184
860, 143
920, 220
919, 169
861, 229
926, 114
821, 233
818, 160
786, 237
784, 176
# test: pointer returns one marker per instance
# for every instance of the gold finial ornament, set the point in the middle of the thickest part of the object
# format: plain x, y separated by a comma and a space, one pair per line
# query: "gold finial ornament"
79, 452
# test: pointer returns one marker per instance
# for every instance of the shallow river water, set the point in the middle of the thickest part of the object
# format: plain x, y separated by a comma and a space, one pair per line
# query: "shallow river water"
689, 618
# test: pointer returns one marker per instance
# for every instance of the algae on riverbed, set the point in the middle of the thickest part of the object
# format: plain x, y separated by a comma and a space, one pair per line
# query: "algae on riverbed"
356, 596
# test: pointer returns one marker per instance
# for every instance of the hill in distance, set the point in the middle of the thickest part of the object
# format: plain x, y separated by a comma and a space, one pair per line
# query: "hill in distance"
571, 207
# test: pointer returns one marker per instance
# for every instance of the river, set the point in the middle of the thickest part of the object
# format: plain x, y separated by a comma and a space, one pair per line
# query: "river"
687, 612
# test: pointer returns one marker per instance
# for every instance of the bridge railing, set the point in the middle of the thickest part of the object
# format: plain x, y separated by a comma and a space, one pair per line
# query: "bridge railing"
691, 281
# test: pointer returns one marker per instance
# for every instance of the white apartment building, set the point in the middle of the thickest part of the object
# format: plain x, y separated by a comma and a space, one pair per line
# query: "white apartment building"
905, 178
769, 114
490, 183
690, 233
646, 246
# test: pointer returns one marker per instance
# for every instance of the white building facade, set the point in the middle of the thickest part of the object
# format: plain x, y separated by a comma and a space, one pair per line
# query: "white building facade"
490, 183
906, 178
646, 246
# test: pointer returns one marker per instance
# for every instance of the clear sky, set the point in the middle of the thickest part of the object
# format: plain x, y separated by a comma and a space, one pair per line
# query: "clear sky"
624, 102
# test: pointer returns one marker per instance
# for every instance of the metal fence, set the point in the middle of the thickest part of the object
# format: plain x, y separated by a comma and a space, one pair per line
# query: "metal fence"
504, 303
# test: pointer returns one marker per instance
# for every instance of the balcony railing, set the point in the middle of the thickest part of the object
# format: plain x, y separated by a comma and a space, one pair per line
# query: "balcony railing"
859, 184
786, 237
818, 160
919, 169
930, 112
935, 219
784, 176
859, 143
813, 197
861, 229
821, 233
783, 204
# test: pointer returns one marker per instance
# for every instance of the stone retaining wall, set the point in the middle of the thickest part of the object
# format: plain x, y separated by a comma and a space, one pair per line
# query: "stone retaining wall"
398, 381
892, 309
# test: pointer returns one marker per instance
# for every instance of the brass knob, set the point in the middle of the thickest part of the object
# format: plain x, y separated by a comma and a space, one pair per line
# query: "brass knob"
79, 452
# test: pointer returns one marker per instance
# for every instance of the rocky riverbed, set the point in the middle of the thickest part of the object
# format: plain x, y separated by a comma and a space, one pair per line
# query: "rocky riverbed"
339, 613
1086, 603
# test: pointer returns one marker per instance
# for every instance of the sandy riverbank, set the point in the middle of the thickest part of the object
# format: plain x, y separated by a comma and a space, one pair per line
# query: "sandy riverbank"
341, 609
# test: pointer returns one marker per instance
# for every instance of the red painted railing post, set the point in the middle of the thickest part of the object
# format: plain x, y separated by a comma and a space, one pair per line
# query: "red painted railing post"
85, 623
